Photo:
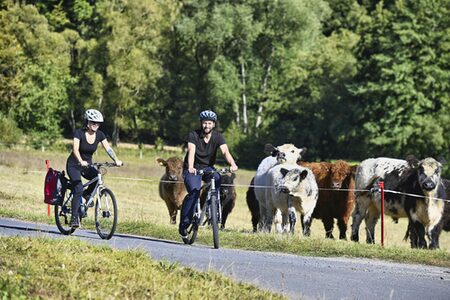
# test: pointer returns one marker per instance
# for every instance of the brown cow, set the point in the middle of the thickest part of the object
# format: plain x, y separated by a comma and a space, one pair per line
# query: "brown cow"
227, 196
171, 186
336, 194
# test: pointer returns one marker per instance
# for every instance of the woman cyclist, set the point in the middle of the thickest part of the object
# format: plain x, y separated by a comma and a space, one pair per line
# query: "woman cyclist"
85, 142
202, 145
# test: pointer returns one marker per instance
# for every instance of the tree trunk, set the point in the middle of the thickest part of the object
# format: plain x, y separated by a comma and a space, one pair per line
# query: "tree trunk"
244, 99
115, 135
260, 106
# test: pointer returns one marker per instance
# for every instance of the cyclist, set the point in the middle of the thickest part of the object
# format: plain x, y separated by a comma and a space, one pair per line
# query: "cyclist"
85, 142
202, 145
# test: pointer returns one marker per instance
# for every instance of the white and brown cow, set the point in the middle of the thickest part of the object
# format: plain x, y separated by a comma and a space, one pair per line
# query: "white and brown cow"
171, 186
298, 191
416, 185
286, 155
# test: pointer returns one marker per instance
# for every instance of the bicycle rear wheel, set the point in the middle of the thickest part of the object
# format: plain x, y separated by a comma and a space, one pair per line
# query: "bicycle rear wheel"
214, 220
63, 214
106, 214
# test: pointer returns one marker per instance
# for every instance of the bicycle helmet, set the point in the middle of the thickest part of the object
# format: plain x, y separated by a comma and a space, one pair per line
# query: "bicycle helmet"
93, 115
208, 115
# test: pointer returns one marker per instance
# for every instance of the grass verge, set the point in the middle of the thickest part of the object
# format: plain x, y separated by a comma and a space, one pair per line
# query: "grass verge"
71, 269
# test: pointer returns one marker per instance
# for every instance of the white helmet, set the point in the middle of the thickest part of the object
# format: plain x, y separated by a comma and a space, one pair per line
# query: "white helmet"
93, 115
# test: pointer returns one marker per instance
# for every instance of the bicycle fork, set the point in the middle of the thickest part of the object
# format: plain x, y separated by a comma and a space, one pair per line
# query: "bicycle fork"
219, 209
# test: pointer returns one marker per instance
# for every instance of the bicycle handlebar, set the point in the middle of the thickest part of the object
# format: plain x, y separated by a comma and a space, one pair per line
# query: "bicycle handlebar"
208, 172
105, 164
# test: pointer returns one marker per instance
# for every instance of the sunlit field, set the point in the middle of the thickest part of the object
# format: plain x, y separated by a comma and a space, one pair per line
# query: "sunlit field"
136, 188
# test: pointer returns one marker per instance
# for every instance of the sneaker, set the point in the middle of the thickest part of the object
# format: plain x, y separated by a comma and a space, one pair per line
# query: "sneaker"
74, 222
184, 234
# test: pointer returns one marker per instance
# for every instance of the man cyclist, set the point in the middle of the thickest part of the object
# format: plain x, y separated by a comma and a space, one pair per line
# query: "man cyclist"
202, 145
85, 142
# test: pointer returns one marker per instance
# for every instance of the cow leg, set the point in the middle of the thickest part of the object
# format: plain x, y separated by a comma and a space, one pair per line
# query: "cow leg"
292, 216
172, 212
328, 224
361, 206
419, 230
279, 221
225, 211
434, 236
306, 224
262, 217
342, 225
371, 220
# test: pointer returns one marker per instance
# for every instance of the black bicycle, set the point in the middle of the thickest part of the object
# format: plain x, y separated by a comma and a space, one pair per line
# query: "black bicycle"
211, 209
103, 199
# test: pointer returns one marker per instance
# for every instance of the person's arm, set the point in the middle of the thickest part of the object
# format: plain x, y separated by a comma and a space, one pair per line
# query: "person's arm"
226, 153
110, 152
76, 152
191, 157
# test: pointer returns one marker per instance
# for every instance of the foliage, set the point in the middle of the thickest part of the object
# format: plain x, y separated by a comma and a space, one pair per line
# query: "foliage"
10, 133
345, 78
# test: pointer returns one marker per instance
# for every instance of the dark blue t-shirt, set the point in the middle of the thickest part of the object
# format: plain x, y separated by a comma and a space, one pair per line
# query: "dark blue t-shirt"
205, 153
86, 149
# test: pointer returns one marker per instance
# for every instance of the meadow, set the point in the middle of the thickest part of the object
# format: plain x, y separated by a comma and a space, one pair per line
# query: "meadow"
142, 211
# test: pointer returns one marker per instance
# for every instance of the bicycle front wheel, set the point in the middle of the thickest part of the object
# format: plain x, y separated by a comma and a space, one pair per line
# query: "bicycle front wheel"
214, 220
63, 214
106, 214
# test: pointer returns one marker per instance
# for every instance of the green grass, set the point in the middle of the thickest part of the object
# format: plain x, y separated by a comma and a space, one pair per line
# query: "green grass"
44, 268
141, 211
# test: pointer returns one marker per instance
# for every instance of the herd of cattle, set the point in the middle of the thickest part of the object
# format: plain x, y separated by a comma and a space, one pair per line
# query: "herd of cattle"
284, 185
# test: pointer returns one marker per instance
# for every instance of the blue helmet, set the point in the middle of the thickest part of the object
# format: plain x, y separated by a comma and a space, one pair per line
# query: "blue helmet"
208, 115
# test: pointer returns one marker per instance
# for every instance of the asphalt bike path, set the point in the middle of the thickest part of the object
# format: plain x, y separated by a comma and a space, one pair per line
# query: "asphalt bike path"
297, 277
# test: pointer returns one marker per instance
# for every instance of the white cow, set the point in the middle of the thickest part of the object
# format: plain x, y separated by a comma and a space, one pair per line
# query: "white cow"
300, 186
287, 156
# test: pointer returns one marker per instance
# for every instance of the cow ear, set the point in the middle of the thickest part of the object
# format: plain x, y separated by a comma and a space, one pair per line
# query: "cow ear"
413, 162
161, 162
303, 174
441, 159
269, 149
284, 171
233, 176
303, 151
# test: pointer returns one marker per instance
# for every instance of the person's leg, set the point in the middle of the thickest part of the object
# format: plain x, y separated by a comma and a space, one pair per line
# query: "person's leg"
89, 173
74, 173
193, 185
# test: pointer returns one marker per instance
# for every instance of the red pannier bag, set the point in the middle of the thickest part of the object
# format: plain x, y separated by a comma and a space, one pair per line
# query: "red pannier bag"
54, 187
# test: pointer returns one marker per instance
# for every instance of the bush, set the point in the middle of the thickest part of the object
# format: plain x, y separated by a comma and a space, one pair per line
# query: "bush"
10, 133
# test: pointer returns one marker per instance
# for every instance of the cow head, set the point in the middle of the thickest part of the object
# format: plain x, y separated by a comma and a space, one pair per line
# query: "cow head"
340, 173
226, 187
292, 179
174, 167
286, 153
428, 172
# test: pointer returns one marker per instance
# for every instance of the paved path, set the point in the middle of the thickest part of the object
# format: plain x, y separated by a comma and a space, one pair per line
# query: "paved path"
295, 276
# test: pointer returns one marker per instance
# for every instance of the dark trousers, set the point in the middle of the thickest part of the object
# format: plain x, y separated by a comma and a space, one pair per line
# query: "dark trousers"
75, 172
193, 185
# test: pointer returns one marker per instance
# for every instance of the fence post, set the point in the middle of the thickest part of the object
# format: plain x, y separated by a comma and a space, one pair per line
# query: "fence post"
382, 212
47, 165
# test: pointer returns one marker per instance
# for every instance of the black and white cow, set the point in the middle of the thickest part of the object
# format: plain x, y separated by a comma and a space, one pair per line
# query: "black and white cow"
297, 191
417, 193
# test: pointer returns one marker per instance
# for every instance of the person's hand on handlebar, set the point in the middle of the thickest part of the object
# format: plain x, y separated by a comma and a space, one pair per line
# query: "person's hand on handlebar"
84, 163
119, 162
233, 168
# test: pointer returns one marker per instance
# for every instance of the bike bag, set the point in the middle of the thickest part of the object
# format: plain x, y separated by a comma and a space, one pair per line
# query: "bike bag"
54, 187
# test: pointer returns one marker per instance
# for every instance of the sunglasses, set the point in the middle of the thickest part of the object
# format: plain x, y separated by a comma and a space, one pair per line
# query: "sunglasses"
95, 123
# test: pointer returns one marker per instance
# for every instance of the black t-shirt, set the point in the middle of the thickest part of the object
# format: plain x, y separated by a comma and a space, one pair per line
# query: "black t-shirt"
86, 149
205, 153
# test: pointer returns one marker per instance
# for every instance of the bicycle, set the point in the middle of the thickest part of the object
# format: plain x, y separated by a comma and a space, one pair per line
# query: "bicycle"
105, 206
211, 209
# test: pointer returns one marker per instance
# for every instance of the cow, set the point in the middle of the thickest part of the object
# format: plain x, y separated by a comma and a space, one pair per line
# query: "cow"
286, 154
412, 190
253, 205
171, 186
227, 196
301, 192
336, 194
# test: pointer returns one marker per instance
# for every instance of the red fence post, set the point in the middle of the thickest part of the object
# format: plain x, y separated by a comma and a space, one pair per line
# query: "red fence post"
382, 213
47, 165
